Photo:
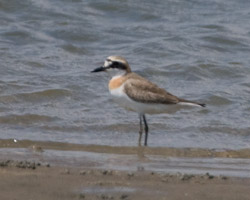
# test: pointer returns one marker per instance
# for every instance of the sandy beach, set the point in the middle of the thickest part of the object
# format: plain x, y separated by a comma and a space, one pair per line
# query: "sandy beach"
47, 170
24, 180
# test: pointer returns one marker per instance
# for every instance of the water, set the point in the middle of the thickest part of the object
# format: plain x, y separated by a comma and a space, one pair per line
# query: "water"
196, 50
235, 167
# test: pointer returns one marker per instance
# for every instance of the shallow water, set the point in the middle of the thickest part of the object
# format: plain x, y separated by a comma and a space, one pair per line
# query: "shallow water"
130, 159
196, 50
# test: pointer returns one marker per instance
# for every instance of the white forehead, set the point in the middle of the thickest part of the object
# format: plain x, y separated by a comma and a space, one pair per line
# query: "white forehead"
107, 63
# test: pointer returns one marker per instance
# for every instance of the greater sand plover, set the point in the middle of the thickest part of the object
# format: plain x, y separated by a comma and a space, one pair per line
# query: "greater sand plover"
136, 93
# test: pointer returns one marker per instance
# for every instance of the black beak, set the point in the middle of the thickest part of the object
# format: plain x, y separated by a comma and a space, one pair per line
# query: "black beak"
99, 69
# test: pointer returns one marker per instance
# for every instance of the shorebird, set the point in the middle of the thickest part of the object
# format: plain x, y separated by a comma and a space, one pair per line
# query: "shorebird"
135, 93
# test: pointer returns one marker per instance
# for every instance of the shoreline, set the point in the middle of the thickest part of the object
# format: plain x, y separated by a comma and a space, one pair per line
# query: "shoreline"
39, 146
52, 170
35, 180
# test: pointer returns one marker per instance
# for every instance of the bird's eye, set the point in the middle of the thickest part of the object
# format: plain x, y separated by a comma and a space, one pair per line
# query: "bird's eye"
115, 64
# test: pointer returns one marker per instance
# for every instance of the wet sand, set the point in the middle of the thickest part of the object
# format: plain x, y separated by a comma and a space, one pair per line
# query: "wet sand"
52, 170
162, 151
24, 180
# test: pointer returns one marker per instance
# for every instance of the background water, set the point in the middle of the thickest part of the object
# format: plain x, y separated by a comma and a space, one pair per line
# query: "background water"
199, 50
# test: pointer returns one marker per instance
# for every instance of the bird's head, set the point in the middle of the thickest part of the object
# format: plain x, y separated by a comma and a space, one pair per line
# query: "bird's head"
114, 65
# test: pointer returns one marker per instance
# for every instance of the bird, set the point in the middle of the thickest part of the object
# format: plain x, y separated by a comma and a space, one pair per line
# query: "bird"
136, 93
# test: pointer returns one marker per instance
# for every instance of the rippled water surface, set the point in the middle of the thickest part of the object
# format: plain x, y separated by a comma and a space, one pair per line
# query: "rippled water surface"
199, 50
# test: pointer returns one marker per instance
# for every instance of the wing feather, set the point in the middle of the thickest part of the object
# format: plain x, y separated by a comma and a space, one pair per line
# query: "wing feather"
144, 91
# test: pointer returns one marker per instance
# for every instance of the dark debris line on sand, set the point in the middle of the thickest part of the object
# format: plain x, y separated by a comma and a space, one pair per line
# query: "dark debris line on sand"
33, 165
22, 164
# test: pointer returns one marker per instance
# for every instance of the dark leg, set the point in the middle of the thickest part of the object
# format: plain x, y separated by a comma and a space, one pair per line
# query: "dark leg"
146, 130
140, 131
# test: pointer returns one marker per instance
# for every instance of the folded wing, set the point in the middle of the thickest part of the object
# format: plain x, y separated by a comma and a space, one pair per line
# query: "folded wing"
142, 90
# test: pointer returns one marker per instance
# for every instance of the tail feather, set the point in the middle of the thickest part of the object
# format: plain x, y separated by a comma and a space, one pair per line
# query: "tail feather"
184, 101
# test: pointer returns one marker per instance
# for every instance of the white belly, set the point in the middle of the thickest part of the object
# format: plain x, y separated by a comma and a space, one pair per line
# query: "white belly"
123, 100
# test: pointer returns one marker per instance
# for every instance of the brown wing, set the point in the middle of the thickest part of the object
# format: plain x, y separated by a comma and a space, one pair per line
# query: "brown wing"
144, 91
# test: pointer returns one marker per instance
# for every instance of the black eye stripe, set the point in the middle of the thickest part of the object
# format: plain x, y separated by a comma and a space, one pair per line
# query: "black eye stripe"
117, 65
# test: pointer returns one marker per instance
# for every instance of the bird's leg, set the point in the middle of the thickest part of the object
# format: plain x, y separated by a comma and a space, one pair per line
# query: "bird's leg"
146, 130
140, 131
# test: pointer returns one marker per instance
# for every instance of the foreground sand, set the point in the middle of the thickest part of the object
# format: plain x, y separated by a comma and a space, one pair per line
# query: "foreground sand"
23, 180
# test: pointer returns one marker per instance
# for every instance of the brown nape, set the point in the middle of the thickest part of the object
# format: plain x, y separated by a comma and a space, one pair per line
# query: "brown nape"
128, 69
